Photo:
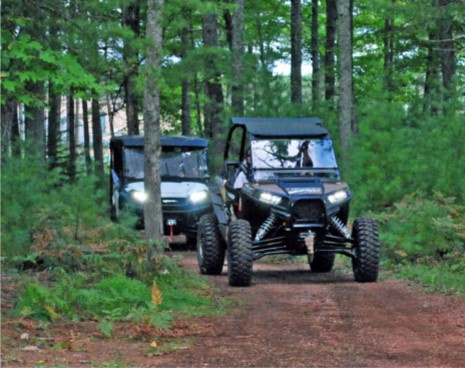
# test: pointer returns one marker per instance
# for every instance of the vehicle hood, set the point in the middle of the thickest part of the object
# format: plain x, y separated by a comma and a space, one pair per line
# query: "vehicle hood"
293, 188
171, 189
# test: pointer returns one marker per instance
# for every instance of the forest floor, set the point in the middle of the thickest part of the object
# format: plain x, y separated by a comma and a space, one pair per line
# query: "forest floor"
287, 318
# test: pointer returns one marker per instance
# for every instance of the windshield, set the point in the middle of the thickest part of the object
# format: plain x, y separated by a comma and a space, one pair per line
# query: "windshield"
288, 157
182, 162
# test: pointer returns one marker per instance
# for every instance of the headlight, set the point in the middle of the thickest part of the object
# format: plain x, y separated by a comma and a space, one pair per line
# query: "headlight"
338, 196
139, 196
269, 198
197, 197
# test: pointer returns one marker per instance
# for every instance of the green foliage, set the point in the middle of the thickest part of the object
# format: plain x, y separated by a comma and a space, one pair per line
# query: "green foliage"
398, 152
38, 209
24, 191
80, 296
189, 294
423, 237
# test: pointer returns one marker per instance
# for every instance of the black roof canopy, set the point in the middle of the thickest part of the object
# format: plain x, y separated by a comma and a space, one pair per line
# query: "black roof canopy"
166, 141
282, 127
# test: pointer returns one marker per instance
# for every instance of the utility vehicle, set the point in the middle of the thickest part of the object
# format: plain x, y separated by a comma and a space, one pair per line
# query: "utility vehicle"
293, 202
184, 187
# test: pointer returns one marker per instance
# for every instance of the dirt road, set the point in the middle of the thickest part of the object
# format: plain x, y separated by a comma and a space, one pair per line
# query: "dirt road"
292, 318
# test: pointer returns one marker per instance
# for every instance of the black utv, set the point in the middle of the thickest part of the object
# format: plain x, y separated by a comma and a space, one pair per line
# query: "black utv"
281, 193
184, 182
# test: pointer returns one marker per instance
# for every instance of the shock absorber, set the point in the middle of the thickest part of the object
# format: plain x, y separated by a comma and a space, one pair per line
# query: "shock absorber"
339, 226
266, 226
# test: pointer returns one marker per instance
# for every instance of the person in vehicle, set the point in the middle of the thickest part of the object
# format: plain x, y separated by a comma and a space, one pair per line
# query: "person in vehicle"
305, 159
243, 174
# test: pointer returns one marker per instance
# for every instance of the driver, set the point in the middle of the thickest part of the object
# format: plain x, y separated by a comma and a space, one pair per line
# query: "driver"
242, 176
305, 159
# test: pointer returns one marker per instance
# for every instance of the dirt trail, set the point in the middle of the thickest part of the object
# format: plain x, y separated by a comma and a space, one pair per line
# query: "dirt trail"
292, 318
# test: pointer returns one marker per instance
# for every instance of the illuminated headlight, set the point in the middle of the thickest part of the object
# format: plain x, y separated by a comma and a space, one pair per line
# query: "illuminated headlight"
139, 196
197, 197
338, 196
269, 198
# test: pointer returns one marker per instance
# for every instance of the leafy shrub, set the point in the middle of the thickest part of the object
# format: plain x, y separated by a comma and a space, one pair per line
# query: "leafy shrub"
79, 296
25, 192
399, 152
424, 236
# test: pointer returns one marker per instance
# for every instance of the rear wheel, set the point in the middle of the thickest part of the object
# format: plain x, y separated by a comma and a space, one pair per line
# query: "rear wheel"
367, 250
210, 246
240, 254
322, 262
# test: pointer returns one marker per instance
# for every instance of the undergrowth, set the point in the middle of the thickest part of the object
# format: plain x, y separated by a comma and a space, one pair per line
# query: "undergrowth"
423, 239
78, 265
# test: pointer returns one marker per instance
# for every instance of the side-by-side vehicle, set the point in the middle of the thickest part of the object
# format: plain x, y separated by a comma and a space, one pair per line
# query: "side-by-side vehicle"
184, 187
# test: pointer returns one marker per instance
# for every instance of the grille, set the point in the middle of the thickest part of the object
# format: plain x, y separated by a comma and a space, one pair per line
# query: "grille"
309, 211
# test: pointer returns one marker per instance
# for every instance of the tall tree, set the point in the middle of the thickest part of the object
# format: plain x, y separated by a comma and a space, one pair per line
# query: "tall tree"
296, 51
85, 123
35, 121
54, 102
448, 67
131, 19
97, 141
346, 100
431, 86
153, 217
330, 73
185, 82
315, 47
34, 111
389, 51
71, 130
8, 110
213, 108
238, 59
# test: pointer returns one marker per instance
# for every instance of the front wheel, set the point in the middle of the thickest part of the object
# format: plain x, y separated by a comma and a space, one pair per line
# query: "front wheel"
210, 246
240, 254
365, 264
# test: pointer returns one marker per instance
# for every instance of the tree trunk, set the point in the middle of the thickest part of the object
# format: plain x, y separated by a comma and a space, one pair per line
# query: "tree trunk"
346, 99
85, 125
97, 138
111, 114
131, 19
388, 53
447, 47
315, 44
431, 95
71, 137
213, 109
296, 51
228, 28
153, 216
9, 109
330, 79
198, 110
185, 84
238, 59
53, 126
35, 121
